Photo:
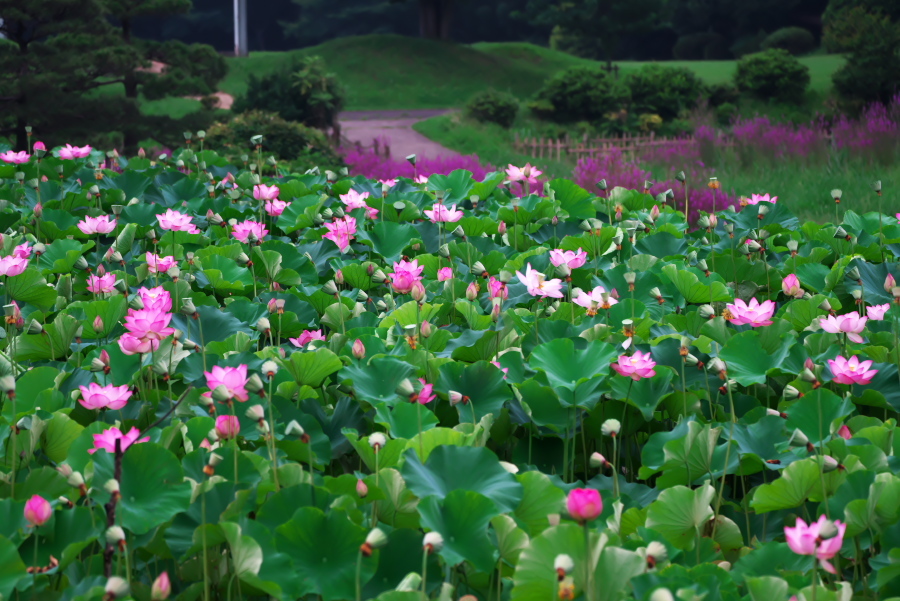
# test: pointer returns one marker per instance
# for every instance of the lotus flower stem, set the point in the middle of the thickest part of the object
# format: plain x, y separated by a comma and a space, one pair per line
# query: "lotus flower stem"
202, 341
312, 472
425, 573
35, 564
727, 455
588, 564
359, 558
822, 458
272, 438
615, 440
203, 534
375, 503
419, 420
237, 449
15, 451
565, 464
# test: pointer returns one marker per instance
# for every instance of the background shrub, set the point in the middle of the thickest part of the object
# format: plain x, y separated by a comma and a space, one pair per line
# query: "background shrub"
721, 93
795, 40
872, 71
579, 94
700, 46
665, 91
772, 75
305, 92
287, 140
492, 106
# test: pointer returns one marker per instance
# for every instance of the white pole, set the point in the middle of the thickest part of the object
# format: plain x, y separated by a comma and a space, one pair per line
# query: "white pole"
240, 28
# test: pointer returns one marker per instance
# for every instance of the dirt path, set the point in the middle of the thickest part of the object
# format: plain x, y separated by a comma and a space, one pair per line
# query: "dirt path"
396, 127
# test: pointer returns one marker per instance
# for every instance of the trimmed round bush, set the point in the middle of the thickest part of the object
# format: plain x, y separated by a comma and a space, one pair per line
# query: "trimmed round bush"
795, 40
772, 75
721, 93
579, 94
287, 140
492, 106
662, 90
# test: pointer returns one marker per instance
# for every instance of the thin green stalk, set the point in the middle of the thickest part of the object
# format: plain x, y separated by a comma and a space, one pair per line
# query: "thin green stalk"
822, 458
588, 564
425, 573
359, 558
15, 450
272, 452
419, 419
727, 458
203, 534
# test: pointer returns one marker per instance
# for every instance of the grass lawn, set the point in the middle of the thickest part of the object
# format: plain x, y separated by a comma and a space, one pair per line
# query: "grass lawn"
396, 72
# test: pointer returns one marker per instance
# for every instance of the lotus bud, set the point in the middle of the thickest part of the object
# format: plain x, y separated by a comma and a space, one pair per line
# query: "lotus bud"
598, 461
836, 194
798, 439
359, 349
729, 228
496, 306
776, 413
611, 427
690, 360
563, 271
895, 292
505, 276
374, 540
426, 329
112, 487
444, 251
361, 489
161, 588
254, 384
807, 375
418, 292
501, 228
295, 429
433, 543
34, 327
378, 276
563, 564
829, 464
791, 393
221, 394
876, 186
472, 291
115, 536
116, 588
269, 369
263, 325
729, 386
717, 366
762, 209
255, 412
377, 440
330, 288
841, 234
456, 397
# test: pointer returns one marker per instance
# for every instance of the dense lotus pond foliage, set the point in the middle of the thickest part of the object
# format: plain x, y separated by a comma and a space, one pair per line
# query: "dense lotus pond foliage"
221, 384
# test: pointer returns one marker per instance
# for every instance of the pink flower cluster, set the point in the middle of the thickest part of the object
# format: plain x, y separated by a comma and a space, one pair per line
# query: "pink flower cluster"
96, 225
176, 222
106, 440
148, 326
441, 214
232, 380
341, 232
538, 284
850, 324
306, 337
357, 200
807, 540
754, 313
406, 275
249, 231
637, 366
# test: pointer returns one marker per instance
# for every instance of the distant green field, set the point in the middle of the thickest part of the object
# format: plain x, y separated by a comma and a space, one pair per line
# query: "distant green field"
393, 72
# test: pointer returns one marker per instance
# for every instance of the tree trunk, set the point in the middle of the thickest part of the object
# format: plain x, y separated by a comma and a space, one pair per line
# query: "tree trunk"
435, 19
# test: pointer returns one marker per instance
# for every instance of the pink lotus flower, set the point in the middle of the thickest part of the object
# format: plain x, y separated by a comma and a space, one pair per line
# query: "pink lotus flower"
37, 511
754, 313
106, 440
306, 337
74, 152
390, 183
598, 298
849, 323
876, 312
149, 324
234, 379
227, 427
17, 319
94, 396
421, 179
97, 225
844, 432
441, 214
755, 199
103, 284
276, 207
341, 231
538, 285
176, 222
156, 299
264, 192
158, 264
249, 231
12, 266
497, 289
16, 158
132, 345
425, 394
22, 251
405, 276
807, 540
39, 145
570, 258
525, 174
889, 282
790, 285
639, 365
851, 371
444, 274
584, 504
357, 200
505, 370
